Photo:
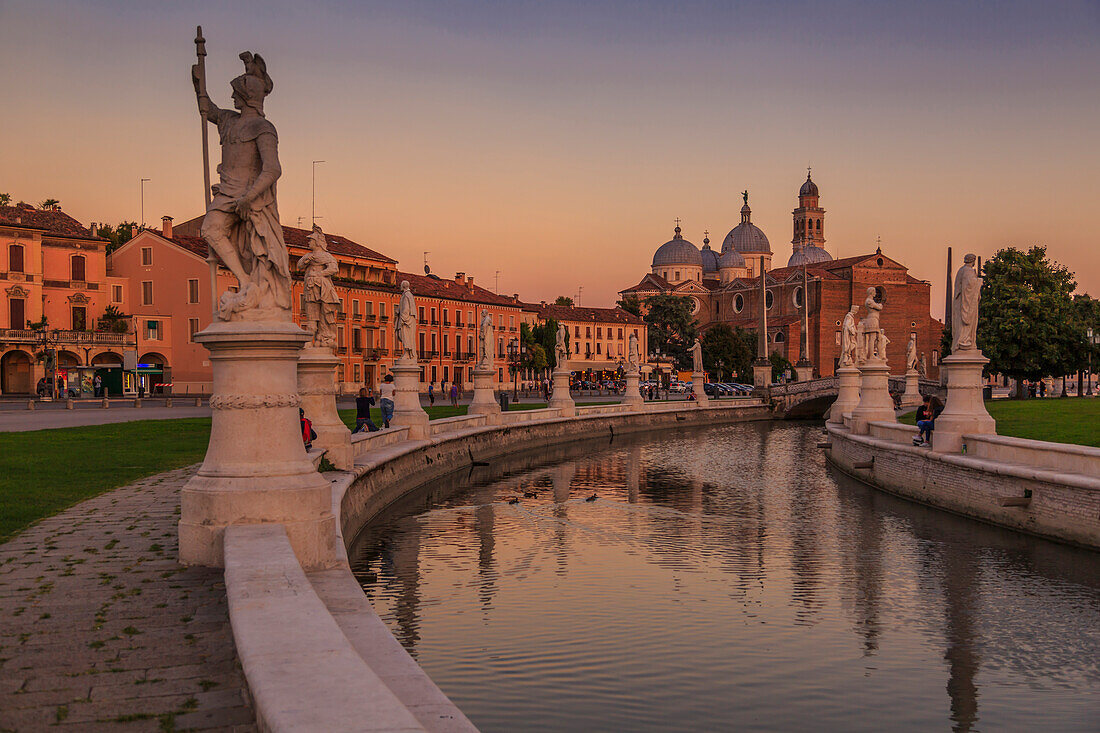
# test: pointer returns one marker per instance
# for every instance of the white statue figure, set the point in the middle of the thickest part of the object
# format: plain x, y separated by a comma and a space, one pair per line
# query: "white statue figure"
964, 307
880, 346
849, 341
405, 324
485, 341
242, 220
318, 266
911, 361
923, 365
870, 347
633, 355
696, 356
561, 350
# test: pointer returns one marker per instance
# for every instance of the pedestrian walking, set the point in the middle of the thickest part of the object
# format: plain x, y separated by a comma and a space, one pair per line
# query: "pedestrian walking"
454, 394
386, 393
431, 394
363, 403
308, 434
97, 385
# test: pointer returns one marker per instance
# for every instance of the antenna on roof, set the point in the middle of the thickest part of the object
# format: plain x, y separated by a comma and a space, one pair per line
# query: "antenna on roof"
496, 286
427, 270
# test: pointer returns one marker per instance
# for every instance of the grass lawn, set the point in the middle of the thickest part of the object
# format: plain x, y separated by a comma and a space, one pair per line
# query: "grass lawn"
1062, 420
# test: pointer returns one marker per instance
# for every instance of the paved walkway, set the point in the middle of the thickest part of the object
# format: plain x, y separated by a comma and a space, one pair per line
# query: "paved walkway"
101, 629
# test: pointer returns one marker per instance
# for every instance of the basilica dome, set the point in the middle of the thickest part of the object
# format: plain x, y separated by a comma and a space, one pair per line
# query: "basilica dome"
809, 255
731, 258
746, 237
710, 257
677, 251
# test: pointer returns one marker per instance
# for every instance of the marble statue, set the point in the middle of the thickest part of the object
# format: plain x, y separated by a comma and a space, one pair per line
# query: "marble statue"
318, 266
242, 220
871, 346
923, 365
849, 341
911, 361
964, 307
696, 357
561, 350
404, 325
633, 355
485, 341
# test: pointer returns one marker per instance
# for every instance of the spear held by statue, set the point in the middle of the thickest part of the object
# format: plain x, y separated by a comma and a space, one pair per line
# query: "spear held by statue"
198, 78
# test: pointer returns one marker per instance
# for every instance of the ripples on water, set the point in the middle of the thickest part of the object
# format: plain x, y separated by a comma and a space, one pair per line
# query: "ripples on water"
725, 579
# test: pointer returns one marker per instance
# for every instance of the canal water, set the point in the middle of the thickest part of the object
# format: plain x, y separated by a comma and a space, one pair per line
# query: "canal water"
727, 579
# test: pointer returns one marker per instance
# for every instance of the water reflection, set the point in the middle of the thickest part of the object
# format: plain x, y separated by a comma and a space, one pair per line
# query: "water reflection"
726, 579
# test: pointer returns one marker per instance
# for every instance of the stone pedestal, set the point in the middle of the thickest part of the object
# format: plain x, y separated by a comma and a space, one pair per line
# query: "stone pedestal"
484, 400
406, 400
847, 397
911, 397
965, 409
561, 399
761, 373
632, 397
803, 371
698, 379
317, 388
256, 469
875, 402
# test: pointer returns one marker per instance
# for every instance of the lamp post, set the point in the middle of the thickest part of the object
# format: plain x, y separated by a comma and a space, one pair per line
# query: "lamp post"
657, 354
515, 352
48, 341
1094, 341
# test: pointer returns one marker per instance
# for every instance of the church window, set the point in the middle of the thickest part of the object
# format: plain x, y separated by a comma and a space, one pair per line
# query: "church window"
798, 297
768, 299
779, 337
819, 225
738, 303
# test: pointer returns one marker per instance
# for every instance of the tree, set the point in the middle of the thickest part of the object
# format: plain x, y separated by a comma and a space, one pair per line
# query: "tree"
540, 341
631, 304
5, 199
1027, 324
728, 351
671, 327
563, 300
118, 235
113, 320
49, 204
780, 364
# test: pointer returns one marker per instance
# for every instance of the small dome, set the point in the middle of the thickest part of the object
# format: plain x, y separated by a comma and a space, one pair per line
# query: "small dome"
677, 251
731, 258
710, 257
809, 255
809, 188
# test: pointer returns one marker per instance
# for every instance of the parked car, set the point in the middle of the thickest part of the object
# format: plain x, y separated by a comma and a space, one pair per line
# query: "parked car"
678, 387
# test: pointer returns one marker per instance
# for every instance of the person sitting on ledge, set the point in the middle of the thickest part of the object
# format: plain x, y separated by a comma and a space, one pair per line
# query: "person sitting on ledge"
926, 418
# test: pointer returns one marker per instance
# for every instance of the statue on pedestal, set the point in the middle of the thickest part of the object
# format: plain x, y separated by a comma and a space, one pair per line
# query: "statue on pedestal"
485, 341
964, 307
871, 346
322, 301
911, 361
404, 325
696, 357
849, 341
242, 220
561, 350
633, 356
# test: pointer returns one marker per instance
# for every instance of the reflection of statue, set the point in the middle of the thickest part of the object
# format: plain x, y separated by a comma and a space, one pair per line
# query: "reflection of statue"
696, 356
318, 267
405, 324
242, 220
871, 346
485, 341
848, 338
633, 357
911, 353
561, 351
964, 307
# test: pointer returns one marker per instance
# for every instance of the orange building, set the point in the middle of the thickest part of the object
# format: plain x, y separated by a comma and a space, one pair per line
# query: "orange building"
598, 337
54, 268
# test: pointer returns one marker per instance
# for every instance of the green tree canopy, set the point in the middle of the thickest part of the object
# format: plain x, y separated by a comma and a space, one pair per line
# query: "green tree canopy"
563, 300
5, 199
728, 351
1028, 327
49, 204
780, 364
631, 304
540, 341
671, 327
118, 235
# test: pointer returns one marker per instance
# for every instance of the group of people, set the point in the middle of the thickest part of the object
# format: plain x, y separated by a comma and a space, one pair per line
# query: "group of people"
363, 404
451, 393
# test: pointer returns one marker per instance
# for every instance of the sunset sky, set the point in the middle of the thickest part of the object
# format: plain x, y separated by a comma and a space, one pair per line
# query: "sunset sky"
555, 142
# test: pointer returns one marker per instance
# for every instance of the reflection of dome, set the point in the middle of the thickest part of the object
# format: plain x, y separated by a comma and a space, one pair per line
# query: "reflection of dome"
809, 255
710, 257
746, 236
732, 258
677, 251
809, 188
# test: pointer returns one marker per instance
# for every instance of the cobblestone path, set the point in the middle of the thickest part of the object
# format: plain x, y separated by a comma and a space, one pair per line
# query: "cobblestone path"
101, 629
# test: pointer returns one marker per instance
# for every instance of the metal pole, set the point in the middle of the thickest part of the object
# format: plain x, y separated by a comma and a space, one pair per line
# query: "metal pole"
313, 204
143, 180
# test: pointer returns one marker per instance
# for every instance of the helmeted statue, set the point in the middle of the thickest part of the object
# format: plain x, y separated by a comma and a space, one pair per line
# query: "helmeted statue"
561, 350
242, 220
964, 307
871, 346
404, 325
318, 266
485, 341
849, 342
696, 356
911, 359
633, 355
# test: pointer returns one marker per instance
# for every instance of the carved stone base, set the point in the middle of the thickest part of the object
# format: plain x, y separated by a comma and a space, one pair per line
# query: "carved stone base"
562, 400
761, 373
406, 400
803, 371
484, 399
632, 397
875, 402
256, 469
847, 397
317, 387
698, 380
965, 411
911, 397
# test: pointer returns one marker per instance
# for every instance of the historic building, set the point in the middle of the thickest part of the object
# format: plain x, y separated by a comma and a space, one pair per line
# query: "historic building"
53, 268
726, 288
598, 337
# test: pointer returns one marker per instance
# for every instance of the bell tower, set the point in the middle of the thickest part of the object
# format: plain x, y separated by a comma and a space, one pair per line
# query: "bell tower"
809, 218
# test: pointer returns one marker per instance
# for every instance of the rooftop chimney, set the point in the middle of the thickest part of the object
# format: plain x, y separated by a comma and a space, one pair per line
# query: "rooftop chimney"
515, 297
460, 278
542, 303
470, 282
133, 230
166, 226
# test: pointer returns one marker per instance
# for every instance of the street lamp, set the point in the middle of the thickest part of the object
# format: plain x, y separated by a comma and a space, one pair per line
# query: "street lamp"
515, 352
1094, 341
48, 341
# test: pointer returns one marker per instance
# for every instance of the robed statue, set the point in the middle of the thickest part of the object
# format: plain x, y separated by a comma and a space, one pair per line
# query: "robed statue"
964, 307
633, 355
696, 357
911, 360
242, 220
871, 346
404, 325
318, 266
849, 338
561, 349
485, 341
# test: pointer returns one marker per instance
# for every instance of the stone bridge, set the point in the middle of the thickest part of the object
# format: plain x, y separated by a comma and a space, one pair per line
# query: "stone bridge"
811, 399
